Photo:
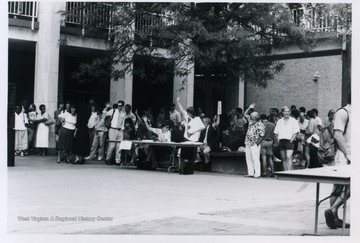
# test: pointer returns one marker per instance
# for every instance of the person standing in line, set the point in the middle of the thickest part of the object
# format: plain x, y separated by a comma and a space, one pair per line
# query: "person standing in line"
311, 149
98, 144
317, 119
303, 126
42, 133
285, 131
330, 119
115, 131
254, 136
81, 141
66, 133
267, 143
21, 134
58, 123
68, 106
31, 127
342, 136
92, 122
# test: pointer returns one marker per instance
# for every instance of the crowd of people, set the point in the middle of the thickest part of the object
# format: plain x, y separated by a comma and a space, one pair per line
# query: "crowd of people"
81, 132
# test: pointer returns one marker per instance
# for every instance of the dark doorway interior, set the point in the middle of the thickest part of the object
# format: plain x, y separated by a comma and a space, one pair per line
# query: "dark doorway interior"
86, 87
211, 88
21, 70
152, 83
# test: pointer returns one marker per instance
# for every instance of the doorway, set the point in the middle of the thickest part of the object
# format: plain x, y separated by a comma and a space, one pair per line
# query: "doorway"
153, 80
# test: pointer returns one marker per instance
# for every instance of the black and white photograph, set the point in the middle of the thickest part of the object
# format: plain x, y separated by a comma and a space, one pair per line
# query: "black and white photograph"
204, 121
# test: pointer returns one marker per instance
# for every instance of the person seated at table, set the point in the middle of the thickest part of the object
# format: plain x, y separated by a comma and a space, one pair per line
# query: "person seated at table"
156, 153
140, 152
233, 135
128, 134
210, 139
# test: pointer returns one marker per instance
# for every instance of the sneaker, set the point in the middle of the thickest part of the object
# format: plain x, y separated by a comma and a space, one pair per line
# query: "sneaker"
330, 219
100, 158
88, 158
22, 154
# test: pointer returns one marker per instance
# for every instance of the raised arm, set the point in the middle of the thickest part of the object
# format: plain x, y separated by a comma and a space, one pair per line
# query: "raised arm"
180, 106
252, 106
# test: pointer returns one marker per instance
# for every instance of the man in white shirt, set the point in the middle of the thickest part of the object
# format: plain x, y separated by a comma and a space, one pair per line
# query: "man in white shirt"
115, 131
285, 131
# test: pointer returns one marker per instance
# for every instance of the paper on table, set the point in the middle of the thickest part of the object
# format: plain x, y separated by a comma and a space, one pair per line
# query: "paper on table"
125, 145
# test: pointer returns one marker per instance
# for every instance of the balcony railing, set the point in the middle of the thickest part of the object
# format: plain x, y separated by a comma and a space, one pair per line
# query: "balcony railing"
145, 22
24, 10
81, 14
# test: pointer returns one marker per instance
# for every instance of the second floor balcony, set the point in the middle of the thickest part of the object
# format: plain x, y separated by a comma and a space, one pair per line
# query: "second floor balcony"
84, 15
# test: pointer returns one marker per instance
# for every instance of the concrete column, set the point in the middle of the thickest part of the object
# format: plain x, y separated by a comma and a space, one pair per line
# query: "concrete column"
241, 96
185, 89
47, 58
122, 88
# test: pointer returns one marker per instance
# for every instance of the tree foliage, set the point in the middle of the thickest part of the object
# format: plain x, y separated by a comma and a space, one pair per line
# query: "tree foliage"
233, 39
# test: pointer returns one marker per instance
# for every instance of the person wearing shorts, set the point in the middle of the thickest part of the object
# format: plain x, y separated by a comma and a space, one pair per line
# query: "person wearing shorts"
342, 136
286, 130
266, 150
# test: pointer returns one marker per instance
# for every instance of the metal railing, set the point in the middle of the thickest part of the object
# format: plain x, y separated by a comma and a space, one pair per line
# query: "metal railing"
145, 22
89, 14
27, 10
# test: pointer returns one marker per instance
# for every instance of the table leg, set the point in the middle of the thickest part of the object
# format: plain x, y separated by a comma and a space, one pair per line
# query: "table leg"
317, 208
344, 212
173, 159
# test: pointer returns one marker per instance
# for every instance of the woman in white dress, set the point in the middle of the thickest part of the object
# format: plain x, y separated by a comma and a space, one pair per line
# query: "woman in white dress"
42, 133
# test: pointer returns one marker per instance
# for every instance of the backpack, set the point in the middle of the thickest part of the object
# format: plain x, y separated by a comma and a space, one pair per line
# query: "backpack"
108, 120
327, 144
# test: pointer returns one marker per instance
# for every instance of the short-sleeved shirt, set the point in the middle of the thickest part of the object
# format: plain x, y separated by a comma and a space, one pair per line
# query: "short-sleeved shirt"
254, 132
286, 129
70, 120
341, 118
318, 121
303, 125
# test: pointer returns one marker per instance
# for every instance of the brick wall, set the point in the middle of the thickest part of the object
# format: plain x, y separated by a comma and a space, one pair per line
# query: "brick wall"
295, 85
